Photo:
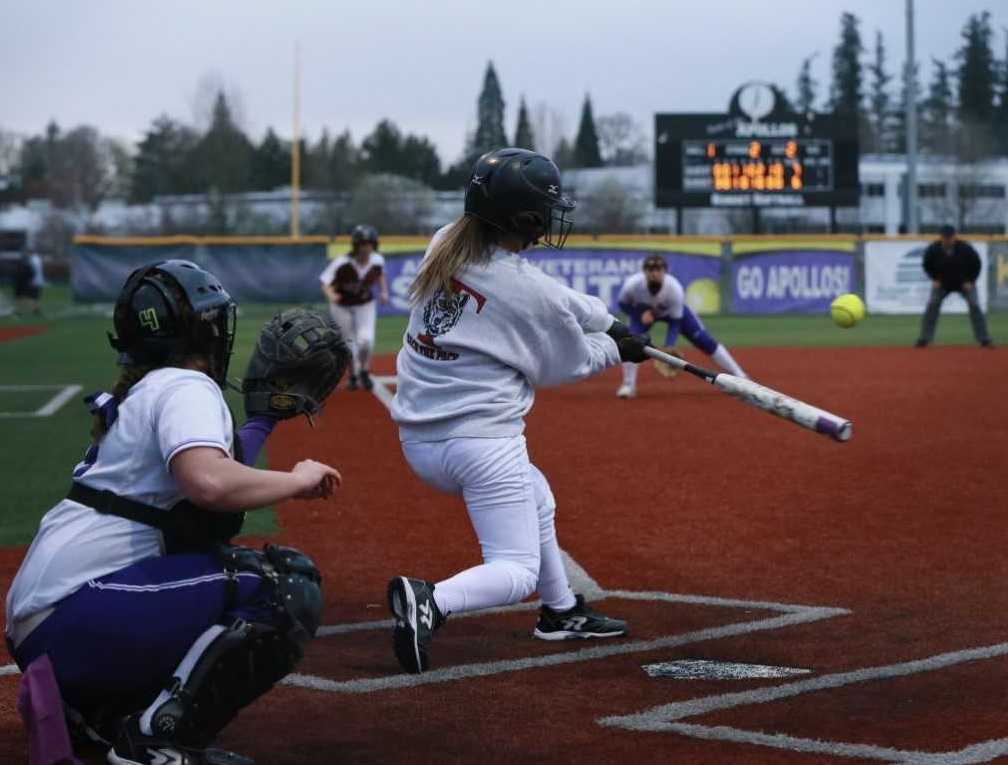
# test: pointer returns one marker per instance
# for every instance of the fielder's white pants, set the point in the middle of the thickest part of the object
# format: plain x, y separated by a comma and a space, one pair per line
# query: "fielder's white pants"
512, 511
357, 323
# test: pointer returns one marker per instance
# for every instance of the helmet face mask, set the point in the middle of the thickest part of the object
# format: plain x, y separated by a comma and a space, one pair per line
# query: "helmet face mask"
173, 310
519, 192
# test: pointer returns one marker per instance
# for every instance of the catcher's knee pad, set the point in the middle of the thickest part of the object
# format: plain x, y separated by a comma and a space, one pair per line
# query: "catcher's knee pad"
294, 583
243, 659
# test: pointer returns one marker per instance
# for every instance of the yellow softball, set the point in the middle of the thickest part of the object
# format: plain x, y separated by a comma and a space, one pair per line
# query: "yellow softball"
847, 310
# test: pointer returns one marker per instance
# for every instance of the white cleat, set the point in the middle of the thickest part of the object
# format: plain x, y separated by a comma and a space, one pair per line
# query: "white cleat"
626, 391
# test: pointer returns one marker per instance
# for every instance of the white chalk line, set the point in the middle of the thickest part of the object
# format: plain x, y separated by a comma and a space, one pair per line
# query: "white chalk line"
484, 669
664, 717
53, 405
384, 389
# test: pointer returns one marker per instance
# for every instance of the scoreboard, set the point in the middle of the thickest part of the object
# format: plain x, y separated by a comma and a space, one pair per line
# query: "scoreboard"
776, 159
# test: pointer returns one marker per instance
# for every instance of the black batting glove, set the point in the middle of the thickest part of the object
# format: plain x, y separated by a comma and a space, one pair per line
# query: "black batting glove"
631, 346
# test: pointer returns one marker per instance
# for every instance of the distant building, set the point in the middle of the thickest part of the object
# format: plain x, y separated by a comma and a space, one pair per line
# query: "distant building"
971, 197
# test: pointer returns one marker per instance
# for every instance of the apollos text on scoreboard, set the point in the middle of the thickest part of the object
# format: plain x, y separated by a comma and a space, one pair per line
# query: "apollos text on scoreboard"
760, 154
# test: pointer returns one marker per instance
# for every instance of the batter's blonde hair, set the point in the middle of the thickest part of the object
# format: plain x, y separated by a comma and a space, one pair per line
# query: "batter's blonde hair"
466, 241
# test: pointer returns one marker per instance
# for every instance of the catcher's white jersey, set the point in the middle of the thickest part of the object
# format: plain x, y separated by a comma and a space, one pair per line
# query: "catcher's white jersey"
471, 359
668, 302
168, 411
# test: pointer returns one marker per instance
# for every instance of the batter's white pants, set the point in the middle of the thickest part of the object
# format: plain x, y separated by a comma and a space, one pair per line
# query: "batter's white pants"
512, 511
357, 323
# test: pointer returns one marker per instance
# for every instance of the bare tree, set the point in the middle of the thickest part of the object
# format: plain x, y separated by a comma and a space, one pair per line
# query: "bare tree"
609, 207
10, 151
621, 140
549, 126
393, 203
964, 193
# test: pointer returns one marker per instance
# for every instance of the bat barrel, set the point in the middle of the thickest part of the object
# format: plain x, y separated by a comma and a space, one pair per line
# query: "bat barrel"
798, 412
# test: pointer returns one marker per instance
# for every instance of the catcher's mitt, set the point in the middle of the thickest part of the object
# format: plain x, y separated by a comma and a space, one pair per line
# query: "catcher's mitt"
298, 361
665, 369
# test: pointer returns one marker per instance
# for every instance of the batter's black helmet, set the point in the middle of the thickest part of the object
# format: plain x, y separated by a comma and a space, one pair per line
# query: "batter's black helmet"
519, 191
171, 310
364, 233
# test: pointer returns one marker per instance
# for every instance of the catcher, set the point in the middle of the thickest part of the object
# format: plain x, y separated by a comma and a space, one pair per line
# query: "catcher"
131, 605
348, 283
655, 295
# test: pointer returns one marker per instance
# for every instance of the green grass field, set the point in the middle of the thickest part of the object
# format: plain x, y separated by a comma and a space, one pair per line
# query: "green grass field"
38, 453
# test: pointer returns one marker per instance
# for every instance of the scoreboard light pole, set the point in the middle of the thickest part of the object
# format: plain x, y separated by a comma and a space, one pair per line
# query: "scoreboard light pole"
913, 222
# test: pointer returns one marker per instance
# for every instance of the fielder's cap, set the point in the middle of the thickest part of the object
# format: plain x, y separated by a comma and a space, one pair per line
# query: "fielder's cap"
655, 261
947, 230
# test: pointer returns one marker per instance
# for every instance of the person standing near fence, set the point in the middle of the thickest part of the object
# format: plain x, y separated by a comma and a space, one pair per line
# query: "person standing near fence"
348, 284
28, 282
953, 266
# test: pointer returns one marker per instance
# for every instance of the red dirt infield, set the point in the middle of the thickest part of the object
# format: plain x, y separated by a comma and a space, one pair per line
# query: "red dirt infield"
681, 491
23, 330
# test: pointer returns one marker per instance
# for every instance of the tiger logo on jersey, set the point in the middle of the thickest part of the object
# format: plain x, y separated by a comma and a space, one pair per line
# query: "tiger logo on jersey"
443, 311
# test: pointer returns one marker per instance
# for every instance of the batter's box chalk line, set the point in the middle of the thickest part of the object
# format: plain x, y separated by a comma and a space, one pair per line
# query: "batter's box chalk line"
780, 615
669, 717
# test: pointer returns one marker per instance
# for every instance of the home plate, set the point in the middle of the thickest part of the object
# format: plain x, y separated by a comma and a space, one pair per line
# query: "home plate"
703, 669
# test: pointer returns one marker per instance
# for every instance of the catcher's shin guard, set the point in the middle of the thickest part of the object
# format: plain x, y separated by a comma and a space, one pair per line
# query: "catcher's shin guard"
231, 665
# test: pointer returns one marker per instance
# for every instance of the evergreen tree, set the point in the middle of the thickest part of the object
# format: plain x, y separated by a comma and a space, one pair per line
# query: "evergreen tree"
489, 133
381, 150
1001, 113
807, 87
879, 106
563, 154
523, 133
271, 163
937, 112
343, 162
845, 91
586, 145
164, 158
900, 111
224, 153
977, 72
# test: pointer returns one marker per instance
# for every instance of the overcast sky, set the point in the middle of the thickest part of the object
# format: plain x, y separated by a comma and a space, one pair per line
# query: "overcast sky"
117, 64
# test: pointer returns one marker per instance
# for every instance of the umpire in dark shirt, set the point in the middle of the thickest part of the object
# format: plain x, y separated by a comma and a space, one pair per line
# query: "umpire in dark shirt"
953, 266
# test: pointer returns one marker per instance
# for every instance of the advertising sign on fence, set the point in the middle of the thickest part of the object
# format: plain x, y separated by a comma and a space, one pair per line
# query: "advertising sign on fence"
595, 271
999, 286
895, 281
790, 281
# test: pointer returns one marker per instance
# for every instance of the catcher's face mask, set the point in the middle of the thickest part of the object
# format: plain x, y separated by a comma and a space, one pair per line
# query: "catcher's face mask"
214, 334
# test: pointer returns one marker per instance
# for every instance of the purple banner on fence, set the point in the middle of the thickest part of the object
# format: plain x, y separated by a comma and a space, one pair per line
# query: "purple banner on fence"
597, 272
791, 281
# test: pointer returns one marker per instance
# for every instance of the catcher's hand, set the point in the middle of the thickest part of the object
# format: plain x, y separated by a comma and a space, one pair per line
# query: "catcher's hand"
664, 368
298, 361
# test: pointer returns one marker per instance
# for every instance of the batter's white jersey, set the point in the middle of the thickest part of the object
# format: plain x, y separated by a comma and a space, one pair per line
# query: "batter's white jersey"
471, 359
168, 411
668, 302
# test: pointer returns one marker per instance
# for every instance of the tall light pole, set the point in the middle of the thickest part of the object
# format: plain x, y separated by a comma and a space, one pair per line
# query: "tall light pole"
913, 222
295, 221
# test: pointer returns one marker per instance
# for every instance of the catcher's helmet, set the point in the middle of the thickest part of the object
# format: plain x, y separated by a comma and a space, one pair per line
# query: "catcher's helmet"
364, 233
519, 191
170, 310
